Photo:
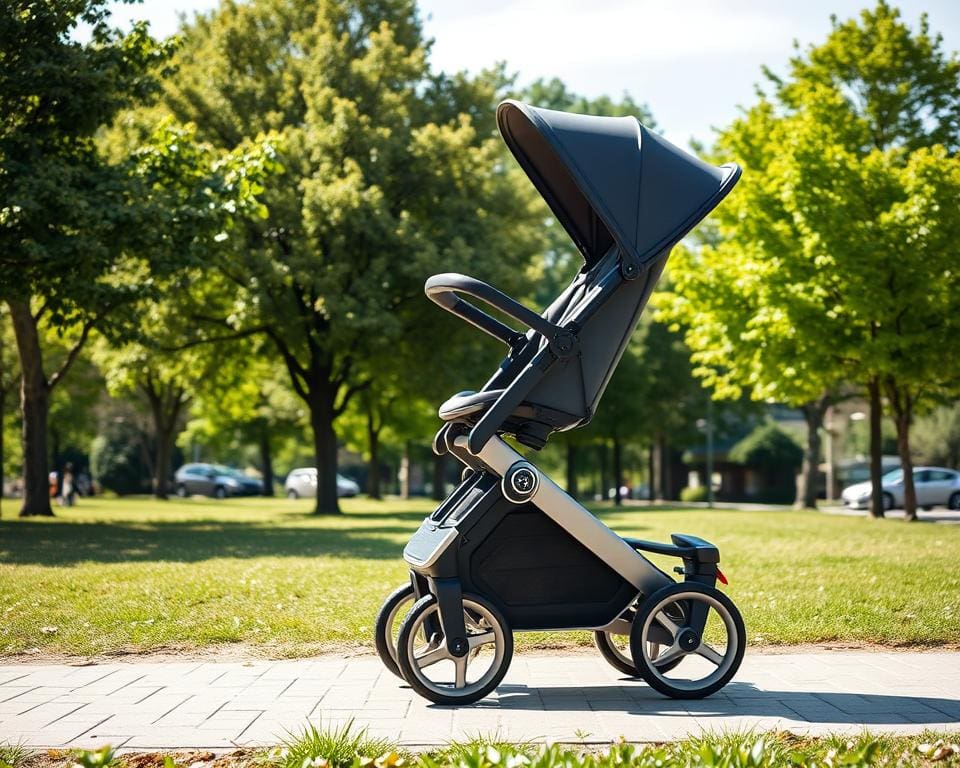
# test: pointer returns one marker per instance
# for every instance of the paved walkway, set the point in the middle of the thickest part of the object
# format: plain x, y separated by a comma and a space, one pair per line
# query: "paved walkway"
544, 697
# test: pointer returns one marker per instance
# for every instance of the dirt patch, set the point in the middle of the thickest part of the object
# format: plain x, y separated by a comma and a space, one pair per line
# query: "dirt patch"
236, 758
252, 653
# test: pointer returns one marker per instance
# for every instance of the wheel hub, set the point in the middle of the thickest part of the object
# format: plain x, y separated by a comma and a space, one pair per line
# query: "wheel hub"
688, 640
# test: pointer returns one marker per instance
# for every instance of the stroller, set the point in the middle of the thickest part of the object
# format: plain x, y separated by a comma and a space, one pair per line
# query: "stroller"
509, 550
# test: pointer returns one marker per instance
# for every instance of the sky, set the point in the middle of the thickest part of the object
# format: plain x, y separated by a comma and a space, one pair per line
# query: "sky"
692, 61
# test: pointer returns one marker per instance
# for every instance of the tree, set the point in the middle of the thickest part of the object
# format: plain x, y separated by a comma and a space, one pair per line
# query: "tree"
248, 403
388, 180
66, 210
810, 249
903, 89
84, 231
165, 382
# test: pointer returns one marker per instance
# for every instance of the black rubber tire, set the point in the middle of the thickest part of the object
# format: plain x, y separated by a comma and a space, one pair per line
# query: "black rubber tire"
383, 634
636, 641
404, 644
887, 501
219, 492
604, 645
293, 495
954, 502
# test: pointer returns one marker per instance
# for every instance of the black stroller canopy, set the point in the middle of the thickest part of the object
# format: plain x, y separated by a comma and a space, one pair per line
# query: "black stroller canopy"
611, 180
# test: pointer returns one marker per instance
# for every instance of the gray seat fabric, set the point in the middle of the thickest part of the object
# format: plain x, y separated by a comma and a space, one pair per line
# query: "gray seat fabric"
468, 403
468, 406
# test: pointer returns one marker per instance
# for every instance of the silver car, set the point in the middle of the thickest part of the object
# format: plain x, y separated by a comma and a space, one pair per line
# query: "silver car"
215, 480
302, 483
936, 486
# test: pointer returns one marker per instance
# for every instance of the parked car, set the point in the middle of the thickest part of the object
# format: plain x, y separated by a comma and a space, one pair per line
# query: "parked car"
215, 480
303, 483
935, 486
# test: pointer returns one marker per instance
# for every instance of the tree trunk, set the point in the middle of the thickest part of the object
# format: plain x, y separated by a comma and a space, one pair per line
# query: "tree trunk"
617, 472
666, 479
266, 459
602, 454
439, 477
876, 448
166, 400
572, 489
807, 490
325, 449
34, 404
901, 403
161, 486
373, 446
404, 474
652, 472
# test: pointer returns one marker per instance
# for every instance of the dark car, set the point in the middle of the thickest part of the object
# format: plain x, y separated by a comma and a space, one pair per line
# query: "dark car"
215, 480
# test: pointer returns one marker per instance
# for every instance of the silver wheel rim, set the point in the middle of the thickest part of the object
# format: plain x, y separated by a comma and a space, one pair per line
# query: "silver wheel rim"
391, 638
721, 661
483, 630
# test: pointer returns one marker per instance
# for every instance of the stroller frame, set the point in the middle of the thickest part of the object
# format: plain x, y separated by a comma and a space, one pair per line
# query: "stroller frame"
508, 549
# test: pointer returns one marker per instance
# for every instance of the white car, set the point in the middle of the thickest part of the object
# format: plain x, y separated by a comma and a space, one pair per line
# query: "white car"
935, 486
302, 483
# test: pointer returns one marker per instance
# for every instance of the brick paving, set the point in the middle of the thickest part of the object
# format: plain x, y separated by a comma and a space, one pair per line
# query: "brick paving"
543, 698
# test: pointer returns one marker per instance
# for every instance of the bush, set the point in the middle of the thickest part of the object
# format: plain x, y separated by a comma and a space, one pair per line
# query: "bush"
689, 493
116, 460
769, 448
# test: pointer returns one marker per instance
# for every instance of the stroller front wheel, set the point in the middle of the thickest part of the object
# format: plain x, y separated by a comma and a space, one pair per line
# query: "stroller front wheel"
689, 621
385, 626
436, 674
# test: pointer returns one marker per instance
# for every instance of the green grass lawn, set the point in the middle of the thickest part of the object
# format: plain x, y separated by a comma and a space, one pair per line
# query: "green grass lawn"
134, 574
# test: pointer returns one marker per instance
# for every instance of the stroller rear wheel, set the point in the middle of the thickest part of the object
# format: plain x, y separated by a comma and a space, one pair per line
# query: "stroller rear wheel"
387, 624
436, 674
615, 649
715, 653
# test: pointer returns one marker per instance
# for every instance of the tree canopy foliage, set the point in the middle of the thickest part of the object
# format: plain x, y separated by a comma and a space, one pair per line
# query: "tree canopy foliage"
387, 181
833, 262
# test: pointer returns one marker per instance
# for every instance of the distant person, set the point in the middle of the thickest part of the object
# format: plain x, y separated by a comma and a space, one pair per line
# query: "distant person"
54, 484
68, 490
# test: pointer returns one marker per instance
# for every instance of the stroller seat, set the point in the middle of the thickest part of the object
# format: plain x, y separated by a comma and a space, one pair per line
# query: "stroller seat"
532, 423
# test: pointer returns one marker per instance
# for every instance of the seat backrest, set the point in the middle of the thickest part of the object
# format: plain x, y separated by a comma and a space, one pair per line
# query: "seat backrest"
571, 389
576, 385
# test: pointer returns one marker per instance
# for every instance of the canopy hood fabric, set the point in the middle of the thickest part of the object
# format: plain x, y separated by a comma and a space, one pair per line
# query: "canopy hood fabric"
611, 180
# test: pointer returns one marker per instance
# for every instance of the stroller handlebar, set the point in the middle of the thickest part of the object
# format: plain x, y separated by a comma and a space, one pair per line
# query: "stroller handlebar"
443, 289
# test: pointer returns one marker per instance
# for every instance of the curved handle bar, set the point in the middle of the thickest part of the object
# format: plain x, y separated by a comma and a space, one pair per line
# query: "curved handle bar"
443, 289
